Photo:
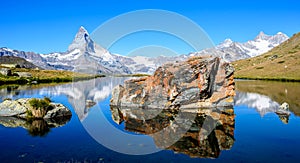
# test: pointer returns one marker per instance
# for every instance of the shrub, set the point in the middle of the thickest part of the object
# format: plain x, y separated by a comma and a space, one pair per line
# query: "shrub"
40, 103
39, 108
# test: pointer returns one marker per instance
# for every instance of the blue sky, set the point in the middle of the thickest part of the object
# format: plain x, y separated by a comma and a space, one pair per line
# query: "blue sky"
50, 25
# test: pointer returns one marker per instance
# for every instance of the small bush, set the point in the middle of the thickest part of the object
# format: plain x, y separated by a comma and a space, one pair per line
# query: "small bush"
40, 103
281, 62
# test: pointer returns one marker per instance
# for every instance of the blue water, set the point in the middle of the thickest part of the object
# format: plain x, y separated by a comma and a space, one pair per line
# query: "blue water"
259, 134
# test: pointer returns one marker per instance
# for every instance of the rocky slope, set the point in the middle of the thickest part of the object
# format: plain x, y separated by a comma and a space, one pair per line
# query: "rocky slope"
280, 63
197, 82
21, 62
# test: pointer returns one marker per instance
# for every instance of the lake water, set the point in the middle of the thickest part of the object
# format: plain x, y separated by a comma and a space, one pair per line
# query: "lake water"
251, 131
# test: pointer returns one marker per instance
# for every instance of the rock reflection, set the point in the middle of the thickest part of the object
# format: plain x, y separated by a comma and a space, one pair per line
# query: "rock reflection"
36, 127
208, 131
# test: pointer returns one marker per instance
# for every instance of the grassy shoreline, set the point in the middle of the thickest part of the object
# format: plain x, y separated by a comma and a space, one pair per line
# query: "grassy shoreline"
45, 76
269, 79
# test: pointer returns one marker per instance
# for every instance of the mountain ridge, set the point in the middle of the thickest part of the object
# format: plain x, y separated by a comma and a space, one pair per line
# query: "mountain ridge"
84, 55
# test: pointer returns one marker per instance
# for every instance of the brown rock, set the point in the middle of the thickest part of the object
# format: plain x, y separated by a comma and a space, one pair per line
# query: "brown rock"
197, 82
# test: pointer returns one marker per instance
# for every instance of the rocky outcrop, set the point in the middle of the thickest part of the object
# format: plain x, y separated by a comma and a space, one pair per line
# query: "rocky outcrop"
21, 108
5, 72
197, 82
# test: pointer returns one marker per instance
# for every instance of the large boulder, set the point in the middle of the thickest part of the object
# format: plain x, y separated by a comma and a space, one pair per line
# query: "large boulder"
198, 82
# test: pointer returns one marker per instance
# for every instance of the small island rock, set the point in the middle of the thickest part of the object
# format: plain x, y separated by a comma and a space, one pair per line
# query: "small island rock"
20, 108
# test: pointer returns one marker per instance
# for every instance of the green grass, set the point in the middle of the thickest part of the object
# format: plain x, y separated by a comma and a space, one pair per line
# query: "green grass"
45, 76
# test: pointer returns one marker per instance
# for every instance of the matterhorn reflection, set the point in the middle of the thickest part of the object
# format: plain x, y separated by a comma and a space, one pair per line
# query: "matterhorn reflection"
202, 133
81, 95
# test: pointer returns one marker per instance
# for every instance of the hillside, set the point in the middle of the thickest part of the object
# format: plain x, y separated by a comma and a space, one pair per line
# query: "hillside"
280, 63
21, 62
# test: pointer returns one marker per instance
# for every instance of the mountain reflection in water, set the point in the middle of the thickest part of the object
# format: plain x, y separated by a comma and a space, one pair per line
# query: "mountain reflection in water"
263, 139
266, 96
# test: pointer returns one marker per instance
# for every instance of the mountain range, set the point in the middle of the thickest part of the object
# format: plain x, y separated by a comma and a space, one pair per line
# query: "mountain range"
84, 55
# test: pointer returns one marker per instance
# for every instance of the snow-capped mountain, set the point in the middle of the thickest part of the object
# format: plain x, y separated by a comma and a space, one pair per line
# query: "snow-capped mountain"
29, 56
146, 65
232, 51
84, 55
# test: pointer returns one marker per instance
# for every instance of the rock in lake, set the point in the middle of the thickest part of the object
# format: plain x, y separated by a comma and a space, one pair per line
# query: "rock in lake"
198, 82
22, 108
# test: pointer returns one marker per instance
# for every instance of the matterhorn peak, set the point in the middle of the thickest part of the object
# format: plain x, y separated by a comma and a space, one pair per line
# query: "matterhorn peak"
81, 40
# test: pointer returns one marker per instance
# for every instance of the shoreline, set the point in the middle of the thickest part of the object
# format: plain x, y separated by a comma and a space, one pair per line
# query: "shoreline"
268, 79
33, 80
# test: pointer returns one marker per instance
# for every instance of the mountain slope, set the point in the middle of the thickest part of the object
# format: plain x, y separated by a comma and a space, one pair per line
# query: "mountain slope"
18, 61
280, 63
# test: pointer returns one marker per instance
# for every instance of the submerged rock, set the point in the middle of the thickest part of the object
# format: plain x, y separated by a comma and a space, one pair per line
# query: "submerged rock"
197, 82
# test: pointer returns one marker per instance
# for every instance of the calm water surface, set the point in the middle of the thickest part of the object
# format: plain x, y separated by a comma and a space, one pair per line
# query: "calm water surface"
249, 132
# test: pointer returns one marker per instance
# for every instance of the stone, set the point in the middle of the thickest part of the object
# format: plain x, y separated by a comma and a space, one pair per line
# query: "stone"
284, 113
284, 106
23, 74
5, 71
20, 108
13, 107
198, 82
58, 111
89, 103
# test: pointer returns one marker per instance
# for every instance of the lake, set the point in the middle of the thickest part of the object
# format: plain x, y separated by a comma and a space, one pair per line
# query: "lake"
251, 131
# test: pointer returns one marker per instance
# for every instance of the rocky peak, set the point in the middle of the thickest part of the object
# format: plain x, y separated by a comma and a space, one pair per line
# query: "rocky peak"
82, 41
279, 38
262, 36
226, 43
